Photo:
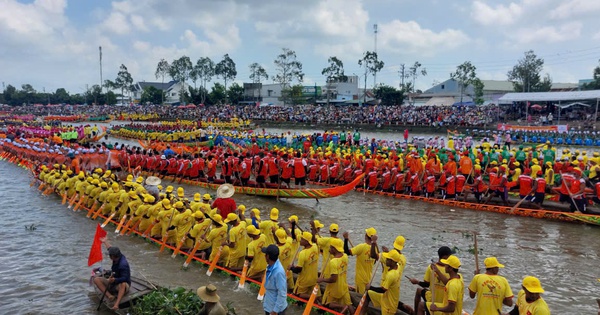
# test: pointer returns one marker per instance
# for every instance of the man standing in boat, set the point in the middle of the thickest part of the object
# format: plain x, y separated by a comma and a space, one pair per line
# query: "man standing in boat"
491, 289
120, 279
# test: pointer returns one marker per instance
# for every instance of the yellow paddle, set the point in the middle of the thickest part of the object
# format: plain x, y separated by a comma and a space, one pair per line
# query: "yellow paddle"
98, 212
79, 203
261, 292
120, 225
195, 249
126, 226
134, 227
72, 201
108, 219
64, 198
178, 248
89, 214
147, 231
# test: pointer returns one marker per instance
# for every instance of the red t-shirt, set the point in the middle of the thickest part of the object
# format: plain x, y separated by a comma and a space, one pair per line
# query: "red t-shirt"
225, 206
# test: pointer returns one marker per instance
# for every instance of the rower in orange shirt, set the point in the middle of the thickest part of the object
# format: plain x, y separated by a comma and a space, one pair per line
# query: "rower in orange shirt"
466, 167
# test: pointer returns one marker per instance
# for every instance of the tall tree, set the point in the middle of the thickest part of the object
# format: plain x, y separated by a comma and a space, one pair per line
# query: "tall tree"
333, 73
372, 65
235, 93
124, 81
218, 94
152, 95
594, 85
525, 75
162, 70
257, 74
288, 69
478, 91
180, 71
225, 69
204, 70
415, 71
389, 95
465, 75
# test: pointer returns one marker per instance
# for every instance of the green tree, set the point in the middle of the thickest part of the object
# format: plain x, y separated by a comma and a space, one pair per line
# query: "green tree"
204, 70
594, 85
389, 95
180, 71
478, 90
464, 75
152, 95
235, 93
225, 69
288, 69
124, 81
525, 75
217, 94
61, 96
415, 71
372, 65
257, 74
28, 93
162, 70
333, 73
545, 85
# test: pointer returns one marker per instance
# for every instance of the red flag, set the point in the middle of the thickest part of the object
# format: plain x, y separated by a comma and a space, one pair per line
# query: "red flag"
96, 250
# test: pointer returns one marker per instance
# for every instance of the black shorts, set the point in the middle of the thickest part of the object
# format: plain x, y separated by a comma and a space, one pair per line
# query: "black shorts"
301, 181
538, 197
274, 179
285, 180
260, 179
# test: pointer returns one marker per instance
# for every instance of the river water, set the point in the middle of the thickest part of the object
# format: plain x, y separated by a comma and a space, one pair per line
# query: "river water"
45, 271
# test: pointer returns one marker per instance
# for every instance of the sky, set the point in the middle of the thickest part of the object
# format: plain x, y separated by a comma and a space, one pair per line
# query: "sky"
54, 43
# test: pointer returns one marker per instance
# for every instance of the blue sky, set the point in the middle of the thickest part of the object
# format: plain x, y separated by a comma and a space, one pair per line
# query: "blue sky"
54, 43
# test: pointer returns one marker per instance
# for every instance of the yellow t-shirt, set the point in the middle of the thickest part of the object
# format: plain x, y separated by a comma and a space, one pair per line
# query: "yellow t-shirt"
401, 266
437, 285
455, 292
339, 267
389, 300
491, 291
534, 170
266, 228
538, 307
237, 235
285, 254
259, 263
308, 259
364, 265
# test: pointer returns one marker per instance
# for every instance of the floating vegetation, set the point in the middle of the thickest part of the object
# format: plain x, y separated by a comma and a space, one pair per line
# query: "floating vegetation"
178, 301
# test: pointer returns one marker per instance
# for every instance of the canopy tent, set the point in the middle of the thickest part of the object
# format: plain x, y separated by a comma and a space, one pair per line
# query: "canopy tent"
509, 98
464, 104
563, 106
440, 101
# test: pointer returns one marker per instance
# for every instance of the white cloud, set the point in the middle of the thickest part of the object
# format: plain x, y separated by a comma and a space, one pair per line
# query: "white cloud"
410, 37
499, 15
573, 8
141, 46
139, 23
548, 34
117, 23
596, 36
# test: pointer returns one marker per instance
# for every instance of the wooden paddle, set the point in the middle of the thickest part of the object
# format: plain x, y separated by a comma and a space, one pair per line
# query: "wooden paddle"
261, 292
126, 226
64, 198
166, 233
243, 275
313, 295
178, 248
112, 215
72, 201
134, 227
214, 262
476, 249
121, 222
98, 212
517, 204
195, 249
78, 205
364, 297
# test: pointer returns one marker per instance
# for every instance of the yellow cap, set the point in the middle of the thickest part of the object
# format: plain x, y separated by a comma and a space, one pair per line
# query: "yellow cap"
393, 255
399, 242
338, 244
532, 284
242, 208
251, 230
139, 180
169, 189
206, 197
452, 261
148, 198
199, 215
166, 203
180, 191
133, 194
217, 218
129, 178
160, 187
281, 235
371, 231
178, 205
334, 228
492, 262
197, 197
231, 217
274, 214
307, 236
318, 224
293, 218
104, 185
256, 213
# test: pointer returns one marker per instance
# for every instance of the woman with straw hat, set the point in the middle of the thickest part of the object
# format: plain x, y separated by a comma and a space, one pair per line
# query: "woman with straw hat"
224, 203
212, 306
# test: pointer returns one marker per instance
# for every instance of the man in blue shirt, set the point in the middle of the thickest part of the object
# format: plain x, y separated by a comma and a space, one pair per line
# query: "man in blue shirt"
120, 279
275, 301
168, 152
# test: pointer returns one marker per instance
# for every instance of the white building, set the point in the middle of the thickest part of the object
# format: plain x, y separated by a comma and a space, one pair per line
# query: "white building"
171, 89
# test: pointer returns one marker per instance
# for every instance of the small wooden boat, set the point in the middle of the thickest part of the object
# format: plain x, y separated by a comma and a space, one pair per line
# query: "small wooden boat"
316, 193
138, 289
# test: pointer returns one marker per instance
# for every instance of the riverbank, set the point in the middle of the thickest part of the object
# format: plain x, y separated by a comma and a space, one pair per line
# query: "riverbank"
361, 127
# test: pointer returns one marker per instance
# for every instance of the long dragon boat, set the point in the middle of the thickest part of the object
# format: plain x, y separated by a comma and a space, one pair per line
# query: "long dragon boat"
593, 219
306, 193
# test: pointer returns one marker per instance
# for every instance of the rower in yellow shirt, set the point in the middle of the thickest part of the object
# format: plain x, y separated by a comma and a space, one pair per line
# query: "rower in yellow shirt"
529, 299
307, 267
236, 242
433, 279
364, 261
491, 289
387, 296
216, 237
454, 290
255, 256
267, 227
284, 243
337, 294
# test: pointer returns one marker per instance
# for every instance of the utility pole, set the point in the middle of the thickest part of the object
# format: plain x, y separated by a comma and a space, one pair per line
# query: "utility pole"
375, 73
401, 73
100, 50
